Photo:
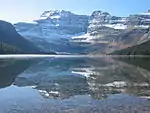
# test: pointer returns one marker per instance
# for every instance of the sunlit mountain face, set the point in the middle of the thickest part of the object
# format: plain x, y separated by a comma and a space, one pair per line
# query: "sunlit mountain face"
97, 33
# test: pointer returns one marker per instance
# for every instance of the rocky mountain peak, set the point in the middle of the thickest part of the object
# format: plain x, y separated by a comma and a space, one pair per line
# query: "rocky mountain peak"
55, 14
100, 14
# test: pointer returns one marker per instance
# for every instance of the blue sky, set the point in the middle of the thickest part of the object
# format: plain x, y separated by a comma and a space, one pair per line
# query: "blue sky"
26, 10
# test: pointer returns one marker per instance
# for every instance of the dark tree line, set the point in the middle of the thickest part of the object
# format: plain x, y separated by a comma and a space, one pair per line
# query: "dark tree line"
7, 49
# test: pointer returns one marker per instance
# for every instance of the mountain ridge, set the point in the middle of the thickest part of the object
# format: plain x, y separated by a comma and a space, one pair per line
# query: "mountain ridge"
12, 42
101, 31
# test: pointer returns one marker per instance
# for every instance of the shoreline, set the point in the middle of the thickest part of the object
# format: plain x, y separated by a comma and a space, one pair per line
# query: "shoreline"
69, 56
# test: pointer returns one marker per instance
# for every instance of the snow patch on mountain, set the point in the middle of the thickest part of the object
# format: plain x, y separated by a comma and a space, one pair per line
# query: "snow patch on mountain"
56, 14
82, 38
116, 26
147, 13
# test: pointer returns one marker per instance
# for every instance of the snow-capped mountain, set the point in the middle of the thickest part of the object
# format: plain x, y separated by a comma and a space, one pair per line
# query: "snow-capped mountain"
107, 33
101, 26
63, 22
142, 19
64, 31
56, 28
99, 18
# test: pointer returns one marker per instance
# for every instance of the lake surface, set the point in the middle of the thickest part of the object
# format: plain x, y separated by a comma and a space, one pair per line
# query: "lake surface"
75, 85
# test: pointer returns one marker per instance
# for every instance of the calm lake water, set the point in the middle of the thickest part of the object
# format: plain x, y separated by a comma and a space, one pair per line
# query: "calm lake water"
75, 85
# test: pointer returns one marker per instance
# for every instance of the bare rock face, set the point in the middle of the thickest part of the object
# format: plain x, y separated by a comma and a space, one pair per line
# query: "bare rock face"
101, 17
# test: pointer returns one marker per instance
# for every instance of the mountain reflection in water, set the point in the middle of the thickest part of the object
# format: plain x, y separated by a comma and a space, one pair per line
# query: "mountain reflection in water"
9, 69
66, 77
74, 85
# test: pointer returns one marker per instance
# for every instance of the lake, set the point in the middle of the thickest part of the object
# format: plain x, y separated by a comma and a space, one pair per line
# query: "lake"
75, 85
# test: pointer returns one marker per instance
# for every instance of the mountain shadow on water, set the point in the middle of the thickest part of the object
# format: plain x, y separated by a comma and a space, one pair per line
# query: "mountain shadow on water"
9, 69
141, 62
